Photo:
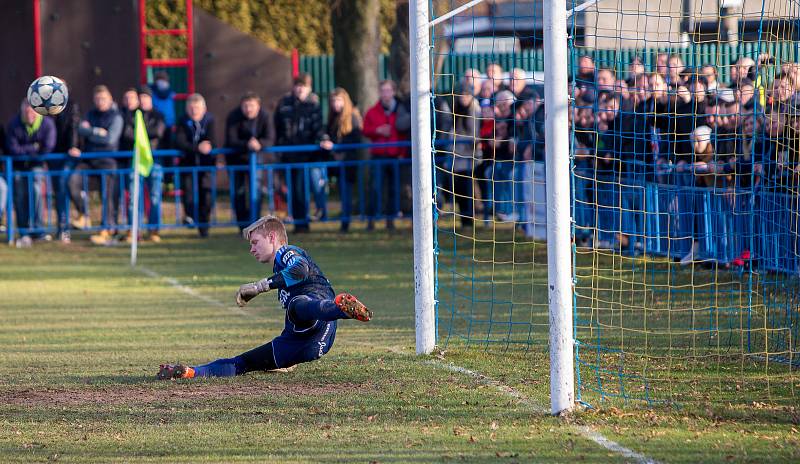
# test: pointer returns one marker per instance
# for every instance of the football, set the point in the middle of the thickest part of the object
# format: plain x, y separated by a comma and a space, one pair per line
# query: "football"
48, 95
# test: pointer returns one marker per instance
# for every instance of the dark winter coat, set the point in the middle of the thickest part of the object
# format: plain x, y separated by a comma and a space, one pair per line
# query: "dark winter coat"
20, 143
111, 121
238, 130
298, 123
189, 135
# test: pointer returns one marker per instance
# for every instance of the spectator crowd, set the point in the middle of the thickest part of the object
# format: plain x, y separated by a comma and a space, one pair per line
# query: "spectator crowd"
676, 126
249, 128
679, 128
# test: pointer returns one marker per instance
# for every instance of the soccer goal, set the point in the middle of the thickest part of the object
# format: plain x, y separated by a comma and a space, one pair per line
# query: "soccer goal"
615, 184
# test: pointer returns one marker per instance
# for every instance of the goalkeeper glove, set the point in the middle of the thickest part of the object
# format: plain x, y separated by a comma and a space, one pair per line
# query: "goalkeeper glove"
251, 290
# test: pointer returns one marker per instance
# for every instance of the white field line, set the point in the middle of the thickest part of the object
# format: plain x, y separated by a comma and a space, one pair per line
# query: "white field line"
582, 430
192, 292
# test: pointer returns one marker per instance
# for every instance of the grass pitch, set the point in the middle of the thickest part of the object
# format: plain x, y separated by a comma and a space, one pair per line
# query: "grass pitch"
82, 334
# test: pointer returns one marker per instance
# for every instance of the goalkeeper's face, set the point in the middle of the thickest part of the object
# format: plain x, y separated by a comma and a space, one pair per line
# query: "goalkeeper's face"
263, 247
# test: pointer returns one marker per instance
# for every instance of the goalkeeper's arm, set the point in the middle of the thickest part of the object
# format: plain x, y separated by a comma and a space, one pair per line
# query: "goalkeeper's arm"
251, 290
296, 271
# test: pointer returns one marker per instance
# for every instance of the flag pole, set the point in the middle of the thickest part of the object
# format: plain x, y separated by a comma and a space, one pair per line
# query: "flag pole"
135, 209
142, 164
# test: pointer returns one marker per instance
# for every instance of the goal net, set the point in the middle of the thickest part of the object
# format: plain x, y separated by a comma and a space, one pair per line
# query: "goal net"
685, 171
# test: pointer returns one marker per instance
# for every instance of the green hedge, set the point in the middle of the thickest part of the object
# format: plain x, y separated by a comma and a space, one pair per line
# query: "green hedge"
281, 24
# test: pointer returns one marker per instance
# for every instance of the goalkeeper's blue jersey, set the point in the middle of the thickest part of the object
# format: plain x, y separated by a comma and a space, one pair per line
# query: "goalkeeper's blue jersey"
302, 277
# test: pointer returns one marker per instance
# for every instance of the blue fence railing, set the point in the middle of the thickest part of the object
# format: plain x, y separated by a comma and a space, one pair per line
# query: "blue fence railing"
659, 219
365, 190
722, 225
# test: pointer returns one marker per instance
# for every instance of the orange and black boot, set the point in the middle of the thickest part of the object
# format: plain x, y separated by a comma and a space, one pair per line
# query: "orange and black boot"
352, 307
175, 371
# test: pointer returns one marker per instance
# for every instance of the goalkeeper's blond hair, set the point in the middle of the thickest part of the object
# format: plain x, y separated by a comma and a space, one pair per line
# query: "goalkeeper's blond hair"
264, 226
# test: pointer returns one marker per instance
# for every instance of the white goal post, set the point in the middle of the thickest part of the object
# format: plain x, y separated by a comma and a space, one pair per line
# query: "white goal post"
422, 176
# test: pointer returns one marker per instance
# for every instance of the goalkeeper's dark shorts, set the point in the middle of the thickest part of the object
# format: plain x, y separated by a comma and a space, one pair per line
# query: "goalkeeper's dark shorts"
291, 347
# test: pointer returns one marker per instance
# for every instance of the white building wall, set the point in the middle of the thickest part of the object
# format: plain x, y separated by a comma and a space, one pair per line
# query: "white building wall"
614, 24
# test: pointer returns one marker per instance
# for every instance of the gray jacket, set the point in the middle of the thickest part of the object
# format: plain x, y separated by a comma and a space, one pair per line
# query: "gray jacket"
466, 126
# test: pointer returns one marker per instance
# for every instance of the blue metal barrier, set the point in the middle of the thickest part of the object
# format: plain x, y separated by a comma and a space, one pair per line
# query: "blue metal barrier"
196, 190
658, 219
722, 225
9, 171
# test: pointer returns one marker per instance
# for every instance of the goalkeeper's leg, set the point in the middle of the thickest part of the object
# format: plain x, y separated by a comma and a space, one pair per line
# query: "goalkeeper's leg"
257, 359
304, 308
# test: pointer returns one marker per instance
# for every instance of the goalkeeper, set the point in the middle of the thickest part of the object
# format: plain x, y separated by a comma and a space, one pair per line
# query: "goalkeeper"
305, 294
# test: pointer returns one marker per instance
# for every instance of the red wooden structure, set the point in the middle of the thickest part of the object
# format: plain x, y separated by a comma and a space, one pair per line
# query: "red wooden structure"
37, 38
185, 62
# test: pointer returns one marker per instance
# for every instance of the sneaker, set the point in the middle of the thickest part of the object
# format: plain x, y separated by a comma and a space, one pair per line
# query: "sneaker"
282, 370
103, 238
352, 307
690, 256
602, 245
127, 237
24, 242
512, 217
742, 259
82, 223
65, 237
174, 371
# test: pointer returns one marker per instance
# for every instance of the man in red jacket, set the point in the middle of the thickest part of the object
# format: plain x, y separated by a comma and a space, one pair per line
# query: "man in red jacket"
388, 121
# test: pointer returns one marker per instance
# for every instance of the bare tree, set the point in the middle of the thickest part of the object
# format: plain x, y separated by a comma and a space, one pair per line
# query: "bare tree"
399, 53
356, 44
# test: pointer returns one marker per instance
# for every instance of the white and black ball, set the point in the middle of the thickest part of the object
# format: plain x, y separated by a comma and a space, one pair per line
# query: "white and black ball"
48, 95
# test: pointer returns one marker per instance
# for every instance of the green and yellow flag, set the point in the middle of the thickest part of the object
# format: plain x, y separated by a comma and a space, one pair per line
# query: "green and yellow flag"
143, 157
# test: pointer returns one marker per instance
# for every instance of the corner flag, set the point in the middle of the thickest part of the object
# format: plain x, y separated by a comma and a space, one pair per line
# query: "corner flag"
141, 147
142, 165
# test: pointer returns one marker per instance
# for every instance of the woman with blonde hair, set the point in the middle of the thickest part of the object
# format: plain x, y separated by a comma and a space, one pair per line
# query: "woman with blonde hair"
344, 126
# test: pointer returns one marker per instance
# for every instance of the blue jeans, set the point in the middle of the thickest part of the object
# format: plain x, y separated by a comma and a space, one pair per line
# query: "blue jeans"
298, 200
319, 189
245, 212
523, 192
503, 187
60, 183
348, 182
154, 183
584, 205
28, 190
444, 178
3, 195
384, 190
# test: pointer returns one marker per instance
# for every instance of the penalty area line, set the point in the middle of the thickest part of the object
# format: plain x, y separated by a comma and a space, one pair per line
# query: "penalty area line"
192, 292
583, 430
